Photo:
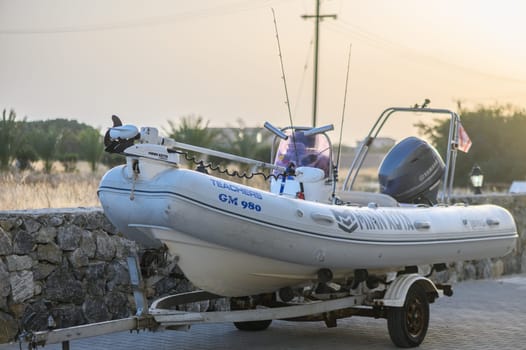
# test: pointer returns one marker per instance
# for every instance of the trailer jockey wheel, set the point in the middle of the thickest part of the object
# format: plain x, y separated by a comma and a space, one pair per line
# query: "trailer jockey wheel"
408, 324
253, 325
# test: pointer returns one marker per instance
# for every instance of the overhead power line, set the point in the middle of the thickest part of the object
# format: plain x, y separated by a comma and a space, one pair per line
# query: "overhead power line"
221, 10
380, 42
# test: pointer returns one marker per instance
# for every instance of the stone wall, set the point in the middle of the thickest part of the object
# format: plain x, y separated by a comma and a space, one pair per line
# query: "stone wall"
66, 267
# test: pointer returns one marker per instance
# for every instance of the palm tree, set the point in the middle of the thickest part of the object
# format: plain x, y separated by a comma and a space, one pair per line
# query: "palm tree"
194, 131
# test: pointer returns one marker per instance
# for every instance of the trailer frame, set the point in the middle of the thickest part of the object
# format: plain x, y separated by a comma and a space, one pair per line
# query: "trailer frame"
163, 313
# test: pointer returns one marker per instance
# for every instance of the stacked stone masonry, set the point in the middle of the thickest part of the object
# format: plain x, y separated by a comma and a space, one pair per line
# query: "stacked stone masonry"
65, 267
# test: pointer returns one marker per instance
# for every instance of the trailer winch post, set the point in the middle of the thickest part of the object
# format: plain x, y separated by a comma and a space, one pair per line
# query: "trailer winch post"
138, 286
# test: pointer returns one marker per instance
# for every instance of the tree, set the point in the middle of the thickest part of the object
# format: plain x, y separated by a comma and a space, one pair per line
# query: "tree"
10, 137
46, 142
498, 138
112, 159
91, 142
25, 154
67, 135
69, 162
194, 131
247, 142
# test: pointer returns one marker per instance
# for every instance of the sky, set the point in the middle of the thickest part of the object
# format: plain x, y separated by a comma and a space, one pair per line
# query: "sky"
154, 61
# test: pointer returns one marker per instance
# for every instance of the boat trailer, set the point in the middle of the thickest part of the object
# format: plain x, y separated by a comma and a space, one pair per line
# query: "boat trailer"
404, 302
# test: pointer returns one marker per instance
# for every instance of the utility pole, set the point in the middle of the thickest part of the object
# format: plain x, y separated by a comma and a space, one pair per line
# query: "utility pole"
317, 18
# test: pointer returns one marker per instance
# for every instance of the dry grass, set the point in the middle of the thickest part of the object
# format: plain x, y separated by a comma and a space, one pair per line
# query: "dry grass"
35, 190
367, 179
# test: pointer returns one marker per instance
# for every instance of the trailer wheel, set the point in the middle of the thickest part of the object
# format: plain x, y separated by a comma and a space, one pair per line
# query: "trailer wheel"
408, 324
253, 326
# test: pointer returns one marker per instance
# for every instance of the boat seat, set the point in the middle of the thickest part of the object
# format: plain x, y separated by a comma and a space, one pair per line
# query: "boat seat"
365, 198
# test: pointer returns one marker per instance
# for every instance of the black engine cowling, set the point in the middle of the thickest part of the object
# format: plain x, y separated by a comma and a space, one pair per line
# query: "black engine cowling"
411, 172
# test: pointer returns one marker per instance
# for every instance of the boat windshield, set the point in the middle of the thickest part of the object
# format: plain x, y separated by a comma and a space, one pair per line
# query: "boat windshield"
304, 150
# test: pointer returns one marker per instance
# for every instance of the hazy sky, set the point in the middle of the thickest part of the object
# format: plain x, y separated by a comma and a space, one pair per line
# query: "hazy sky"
150, 61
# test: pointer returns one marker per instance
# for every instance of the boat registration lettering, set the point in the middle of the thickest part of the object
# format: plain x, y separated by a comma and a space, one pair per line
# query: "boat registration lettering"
236, 189
228, 199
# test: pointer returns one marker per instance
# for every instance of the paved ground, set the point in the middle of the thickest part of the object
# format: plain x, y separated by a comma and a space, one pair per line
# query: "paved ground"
487, 314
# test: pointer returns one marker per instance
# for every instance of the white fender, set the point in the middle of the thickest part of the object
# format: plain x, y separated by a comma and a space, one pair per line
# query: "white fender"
397, 291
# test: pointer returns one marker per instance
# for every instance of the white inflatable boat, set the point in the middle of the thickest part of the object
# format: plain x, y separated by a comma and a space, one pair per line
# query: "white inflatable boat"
236, 240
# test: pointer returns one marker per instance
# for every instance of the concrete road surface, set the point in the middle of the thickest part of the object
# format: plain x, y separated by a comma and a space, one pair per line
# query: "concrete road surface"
486, 314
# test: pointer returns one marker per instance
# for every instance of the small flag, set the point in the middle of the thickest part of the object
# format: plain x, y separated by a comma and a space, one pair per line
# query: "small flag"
464, 142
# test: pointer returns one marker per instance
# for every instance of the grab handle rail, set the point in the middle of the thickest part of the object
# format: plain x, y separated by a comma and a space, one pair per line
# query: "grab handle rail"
422, 225
492, 222
320, 217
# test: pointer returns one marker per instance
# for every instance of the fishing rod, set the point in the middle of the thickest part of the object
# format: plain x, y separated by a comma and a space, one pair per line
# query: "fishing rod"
287, 102
291, 167
337, 165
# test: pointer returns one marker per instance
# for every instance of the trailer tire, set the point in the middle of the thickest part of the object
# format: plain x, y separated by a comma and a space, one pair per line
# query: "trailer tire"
408, 324
253, 326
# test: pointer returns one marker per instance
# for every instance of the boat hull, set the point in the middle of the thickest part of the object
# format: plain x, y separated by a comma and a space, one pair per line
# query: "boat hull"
235, 240
229, 272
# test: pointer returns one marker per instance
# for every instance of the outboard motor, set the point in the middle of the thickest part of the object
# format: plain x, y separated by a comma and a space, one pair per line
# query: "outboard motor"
411, 172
